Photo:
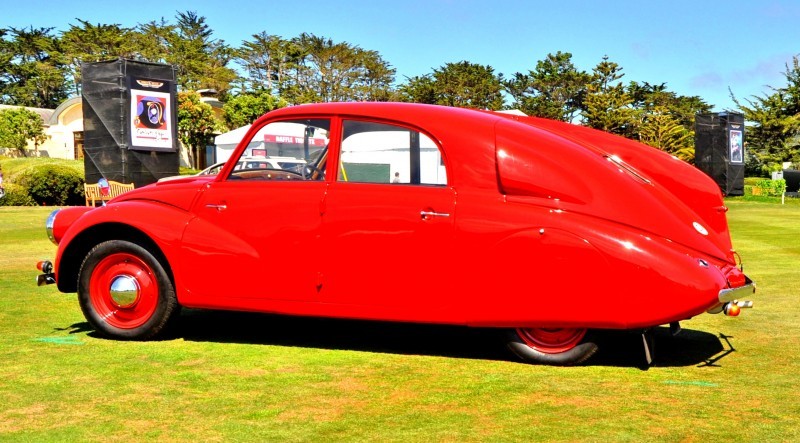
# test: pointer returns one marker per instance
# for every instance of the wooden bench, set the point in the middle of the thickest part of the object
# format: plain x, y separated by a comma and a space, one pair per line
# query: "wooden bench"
93, 194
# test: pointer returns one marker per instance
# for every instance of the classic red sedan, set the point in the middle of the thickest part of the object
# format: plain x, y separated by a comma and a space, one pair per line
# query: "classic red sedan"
415, 213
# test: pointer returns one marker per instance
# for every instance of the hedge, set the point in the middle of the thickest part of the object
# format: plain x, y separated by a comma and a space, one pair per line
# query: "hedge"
16, 196
768, 188
51, 185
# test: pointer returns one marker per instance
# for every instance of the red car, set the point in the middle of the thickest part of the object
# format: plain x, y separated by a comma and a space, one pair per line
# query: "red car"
415, 213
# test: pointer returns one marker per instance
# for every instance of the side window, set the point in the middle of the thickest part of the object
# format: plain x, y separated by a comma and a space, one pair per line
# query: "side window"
382, 153
286, 150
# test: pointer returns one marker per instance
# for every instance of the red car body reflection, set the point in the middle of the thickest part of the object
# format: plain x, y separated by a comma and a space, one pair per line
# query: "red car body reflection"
417, 213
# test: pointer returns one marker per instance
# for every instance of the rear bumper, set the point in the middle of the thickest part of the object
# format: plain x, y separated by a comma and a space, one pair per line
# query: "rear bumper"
728, 295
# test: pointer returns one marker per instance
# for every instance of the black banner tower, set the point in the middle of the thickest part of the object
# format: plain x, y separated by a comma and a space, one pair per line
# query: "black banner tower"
129, 121
719, 149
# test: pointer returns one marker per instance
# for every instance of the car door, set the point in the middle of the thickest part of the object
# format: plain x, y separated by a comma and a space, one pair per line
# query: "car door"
388, 223
256, 231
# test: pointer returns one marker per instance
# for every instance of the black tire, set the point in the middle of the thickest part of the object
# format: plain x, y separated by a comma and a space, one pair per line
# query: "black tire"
143, 299
577, 349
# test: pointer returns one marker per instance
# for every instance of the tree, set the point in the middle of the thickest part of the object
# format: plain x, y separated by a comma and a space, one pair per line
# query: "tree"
683, 108
244, 109
462, 84
555, 89
377, 77
152, 41
34, 72
774, 137
660, 129
323, 71
418, 89
94, 43
196, 125
18, 126
665, 119
469, 85
266, 60
607, 105
201, 60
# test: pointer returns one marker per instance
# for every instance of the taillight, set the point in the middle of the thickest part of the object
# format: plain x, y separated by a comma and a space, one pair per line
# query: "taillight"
735, 278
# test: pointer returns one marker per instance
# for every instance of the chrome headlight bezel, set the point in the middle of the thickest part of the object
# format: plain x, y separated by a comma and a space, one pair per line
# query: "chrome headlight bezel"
49, 224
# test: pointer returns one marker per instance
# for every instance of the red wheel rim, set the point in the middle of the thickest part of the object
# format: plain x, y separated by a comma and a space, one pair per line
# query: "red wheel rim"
123, 291
551, 340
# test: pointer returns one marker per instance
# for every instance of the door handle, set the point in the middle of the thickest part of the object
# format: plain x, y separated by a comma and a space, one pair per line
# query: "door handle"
220, 207
427, 215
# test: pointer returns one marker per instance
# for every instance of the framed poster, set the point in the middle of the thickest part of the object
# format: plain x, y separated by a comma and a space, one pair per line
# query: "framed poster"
736, 147
151, 119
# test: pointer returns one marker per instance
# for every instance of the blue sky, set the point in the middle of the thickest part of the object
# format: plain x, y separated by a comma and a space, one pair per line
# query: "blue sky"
698, 47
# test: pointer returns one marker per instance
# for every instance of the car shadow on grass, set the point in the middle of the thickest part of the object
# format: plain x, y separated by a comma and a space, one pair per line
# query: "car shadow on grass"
617, 348
688, 348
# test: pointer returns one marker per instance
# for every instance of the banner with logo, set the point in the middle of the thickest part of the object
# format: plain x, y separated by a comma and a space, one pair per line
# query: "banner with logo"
151, 118
736, 146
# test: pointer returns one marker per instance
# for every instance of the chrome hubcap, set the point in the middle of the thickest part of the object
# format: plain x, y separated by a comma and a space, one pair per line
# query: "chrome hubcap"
124, 290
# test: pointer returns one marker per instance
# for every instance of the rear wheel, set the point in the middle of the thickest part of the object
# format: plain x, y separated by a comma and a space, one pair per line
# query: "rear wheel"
551, 346
124, 291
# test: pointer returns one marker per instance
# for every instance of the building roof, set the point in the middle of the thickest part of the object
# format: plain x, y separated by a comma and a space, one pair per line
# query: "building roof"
66, 104
45, 114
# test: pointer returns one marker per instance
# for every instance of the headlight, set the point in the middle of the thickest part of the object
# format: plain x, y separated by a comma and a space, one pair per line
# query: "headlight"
48, 226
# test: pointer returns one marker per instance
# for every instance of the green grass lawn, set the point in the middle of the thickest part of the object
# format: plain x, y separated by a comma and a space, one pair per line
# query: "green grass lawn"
234, 376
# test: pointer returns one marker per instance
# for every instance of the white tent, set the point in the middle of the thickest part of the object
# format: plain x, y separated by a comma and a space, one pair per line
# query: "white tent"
226, 142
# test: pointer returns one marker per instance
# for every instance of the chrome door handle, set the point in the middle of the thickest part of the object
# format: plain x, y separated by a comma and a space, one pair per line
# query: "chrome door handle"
219, 208
425, 215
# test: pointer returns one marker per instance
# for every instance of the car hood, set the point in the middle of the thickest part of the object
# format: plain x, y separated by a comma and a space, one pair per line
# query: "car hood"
180, 192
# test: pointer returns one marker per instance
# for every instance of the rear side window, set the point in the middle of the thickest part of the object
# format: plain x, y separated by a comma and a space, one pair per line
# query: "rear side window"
382, 153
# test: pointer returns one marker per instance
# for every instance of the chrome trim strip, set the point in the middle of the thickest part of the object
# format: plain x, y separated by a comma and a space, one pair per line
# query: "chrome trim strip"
629, 169
731, 294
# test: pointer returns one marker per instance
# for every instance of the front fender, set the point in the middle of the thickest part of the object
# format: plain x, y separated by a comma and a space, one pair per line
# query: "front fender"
148, 223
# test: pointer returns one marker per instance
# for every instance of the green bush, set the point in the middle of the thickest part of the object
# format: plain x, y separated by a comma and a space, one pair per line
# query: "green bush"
53, 185
16, 196
752, 180
767, 188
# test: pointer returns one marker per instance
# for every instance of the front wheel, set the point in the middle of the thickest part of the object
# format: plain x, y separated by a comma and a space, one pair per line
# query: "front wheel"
124, 291
551, 346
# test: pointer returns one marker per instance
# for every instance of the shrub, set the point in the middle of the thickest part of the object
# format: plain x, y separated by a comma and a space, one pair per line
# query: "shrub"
53, 185
16, 196
767, 188
752, 181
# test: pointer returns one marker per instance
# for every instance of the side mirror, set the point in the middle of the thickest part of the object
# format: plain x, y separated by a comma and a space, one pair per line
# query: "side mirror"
104, 187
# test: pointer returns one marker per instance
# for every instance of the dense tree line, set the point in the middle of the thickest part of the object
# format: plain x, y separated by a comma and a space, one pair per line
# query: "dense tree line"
41, 68
774, 134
